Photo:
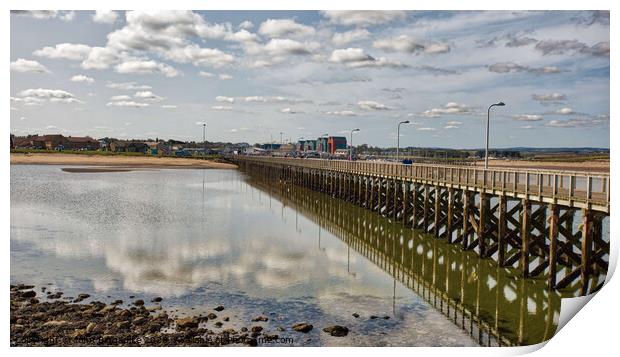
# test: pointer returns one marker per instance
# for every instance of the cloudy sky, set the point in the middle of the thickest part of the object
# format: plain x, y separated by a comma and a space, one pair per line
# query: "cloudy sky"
253, 74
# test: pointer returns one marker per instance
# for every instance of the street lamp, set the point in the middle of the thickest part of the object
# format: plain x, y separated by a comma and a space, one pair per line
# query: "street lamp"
280, 138
204, 139
351, 149
486, 152
398, 137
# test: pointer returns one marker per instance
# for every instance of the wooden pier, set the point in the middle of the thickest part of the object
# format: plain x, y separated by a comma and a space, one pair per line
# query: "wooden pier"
545, 223
495, 309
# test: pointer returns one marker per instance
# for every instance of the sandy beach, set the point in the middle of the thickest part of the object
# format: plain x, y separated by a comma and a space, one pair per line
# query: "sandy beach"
117, 161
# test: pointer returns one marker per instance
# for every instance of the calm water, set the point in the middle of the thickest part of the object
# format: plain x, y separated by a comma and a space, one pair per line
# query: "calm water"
200, 238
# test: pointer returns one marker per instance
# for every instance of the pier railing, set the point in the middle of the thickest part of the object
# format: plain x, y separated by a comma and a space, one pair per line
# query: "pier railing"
568, 188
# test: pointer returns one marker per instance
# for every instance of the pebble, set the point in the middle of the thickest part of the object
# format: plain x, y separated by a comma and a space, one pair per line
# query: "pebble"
302, 327
270, 337
56, 323
337, 330
139, 320
187, 322
29, 294
81, 297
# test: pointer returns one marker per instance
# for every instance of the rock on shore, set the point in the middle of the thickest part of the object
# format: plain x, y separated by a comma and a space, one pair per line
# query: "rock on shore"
62, 323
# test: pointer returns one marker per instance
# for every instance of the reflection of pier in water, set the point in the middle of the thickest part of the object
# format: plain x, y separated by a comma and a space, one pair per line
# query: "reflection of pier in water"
545, 223
493, 304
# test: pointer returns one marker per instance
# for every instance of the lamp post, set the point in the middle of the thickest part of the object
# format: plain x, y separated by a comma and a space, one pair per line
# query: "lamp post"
204, 139
398, 137
351, 149
280, 138
486, 152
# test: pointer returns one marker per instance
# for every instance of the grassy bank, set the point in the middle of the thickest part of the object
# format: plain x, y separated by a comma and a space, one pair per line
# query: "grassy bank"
569, 158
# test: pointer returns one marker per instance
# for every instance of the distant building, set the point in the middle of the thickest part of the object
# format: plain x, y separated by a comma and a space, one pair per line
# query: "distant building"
81, 143
56, 142
310, 145
336, 142
49, 142
287, 148
157, 147
269, 146
234, 148
23, 142
129, 146
321, 144
254, 151
301, 145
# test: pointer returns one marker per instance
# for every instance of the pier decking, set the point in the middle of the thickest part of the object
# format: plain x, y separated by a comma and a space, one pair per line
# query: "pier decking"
542, 222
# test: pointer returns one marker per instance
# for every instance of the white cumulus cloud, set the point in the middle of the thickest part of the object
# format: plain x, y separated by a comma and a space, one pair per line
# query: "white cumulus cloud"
69, 51
408, 44
357, 58
105, 16
371, 105
220, 98
24, 66
127, 103
128, 86
148, 95
82, 78
146, 67
120, 97
40, 95
362, 17
527, 117
221, 107
343, 38
284, 28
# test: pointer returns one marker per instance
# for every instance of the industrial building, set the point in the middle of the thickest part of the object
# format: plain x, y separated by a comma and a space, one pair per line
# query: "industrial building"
323, 144
335, 143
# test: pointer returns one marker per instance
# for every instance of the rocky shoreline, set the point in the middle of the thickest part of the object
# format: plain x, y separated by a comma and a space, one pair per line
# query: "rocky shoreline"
48, 320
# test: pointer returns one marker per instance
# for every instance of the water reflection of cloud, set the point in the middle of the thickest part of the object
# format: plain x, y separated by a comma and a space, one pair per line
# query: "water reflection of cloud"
148, 234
